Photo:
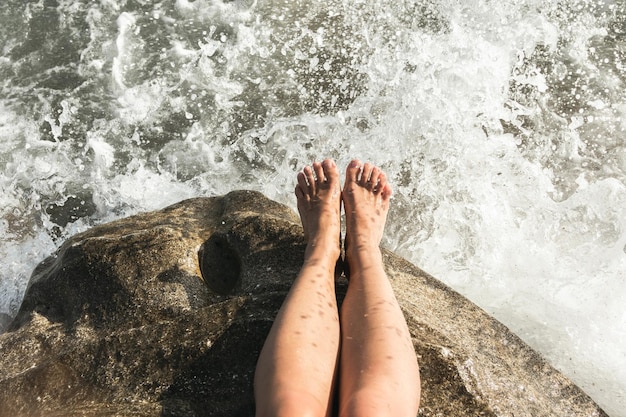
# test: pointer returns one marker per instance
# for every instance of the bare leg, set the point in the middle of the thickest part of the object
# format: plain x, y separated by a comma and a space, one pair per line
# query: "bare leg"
379, 375
297, 365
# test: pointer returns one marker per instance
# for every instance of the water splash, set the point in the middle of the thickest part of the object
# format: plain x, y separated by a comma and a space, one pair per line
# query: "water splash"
500, 125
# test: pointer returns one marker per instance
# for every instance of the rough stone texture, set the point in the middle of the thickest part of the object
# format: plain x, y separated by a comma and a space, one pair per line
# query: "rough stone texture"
164, 314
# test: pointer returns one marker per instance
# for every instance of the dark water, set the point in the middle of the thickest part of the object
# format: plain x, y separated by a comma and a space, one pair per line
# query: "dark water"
501, 125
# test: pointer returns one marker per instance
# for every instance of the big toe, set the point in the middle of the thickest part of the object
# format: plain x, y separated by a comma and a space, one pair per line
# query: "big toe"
353, 170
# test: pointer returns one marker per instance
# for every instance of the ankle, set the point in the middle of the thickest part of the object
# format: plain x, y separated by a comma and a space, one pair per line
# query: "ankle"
362, 246
317, 253
364, 256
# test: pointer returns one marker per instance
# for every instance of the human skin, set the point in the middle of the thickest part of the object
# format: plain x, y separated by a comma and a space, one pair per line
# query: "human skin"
297, 367
378, 365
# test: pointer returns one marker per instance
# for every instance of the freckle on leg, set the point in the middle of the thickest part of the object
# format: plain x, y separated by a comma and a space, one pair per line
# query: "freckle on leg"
297, 330
370, 305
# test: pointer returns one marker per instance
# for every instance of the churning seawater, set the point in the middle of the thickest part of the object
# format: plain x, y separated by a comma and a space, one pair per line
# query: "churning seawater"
500, 123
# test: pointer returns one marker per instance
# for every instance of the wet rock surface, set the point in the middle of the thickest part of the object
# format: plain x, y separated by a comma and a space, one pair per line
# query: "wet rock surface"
164, 314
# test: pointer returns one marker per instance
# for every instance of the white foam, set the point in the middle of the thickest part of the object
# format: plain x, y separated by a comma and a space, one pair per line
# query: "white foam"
472, 205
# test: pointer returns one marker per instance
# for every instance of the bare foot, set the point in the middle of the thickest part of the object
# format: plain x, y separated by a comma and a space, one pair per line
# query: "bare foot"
319, 204
365, 195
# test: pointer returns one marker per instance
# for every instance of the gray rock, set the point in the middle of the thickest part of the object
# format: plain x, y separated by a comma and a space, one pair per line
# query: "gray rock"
5, 320
164, 314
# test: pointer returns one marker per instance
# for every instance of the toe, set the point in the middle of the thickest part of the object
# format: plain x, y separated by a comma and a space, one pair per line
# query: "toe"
386, 189
302, 187
302, 180
330, 170
353, 170
366, 174
319, 172
310, 179
375, 178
